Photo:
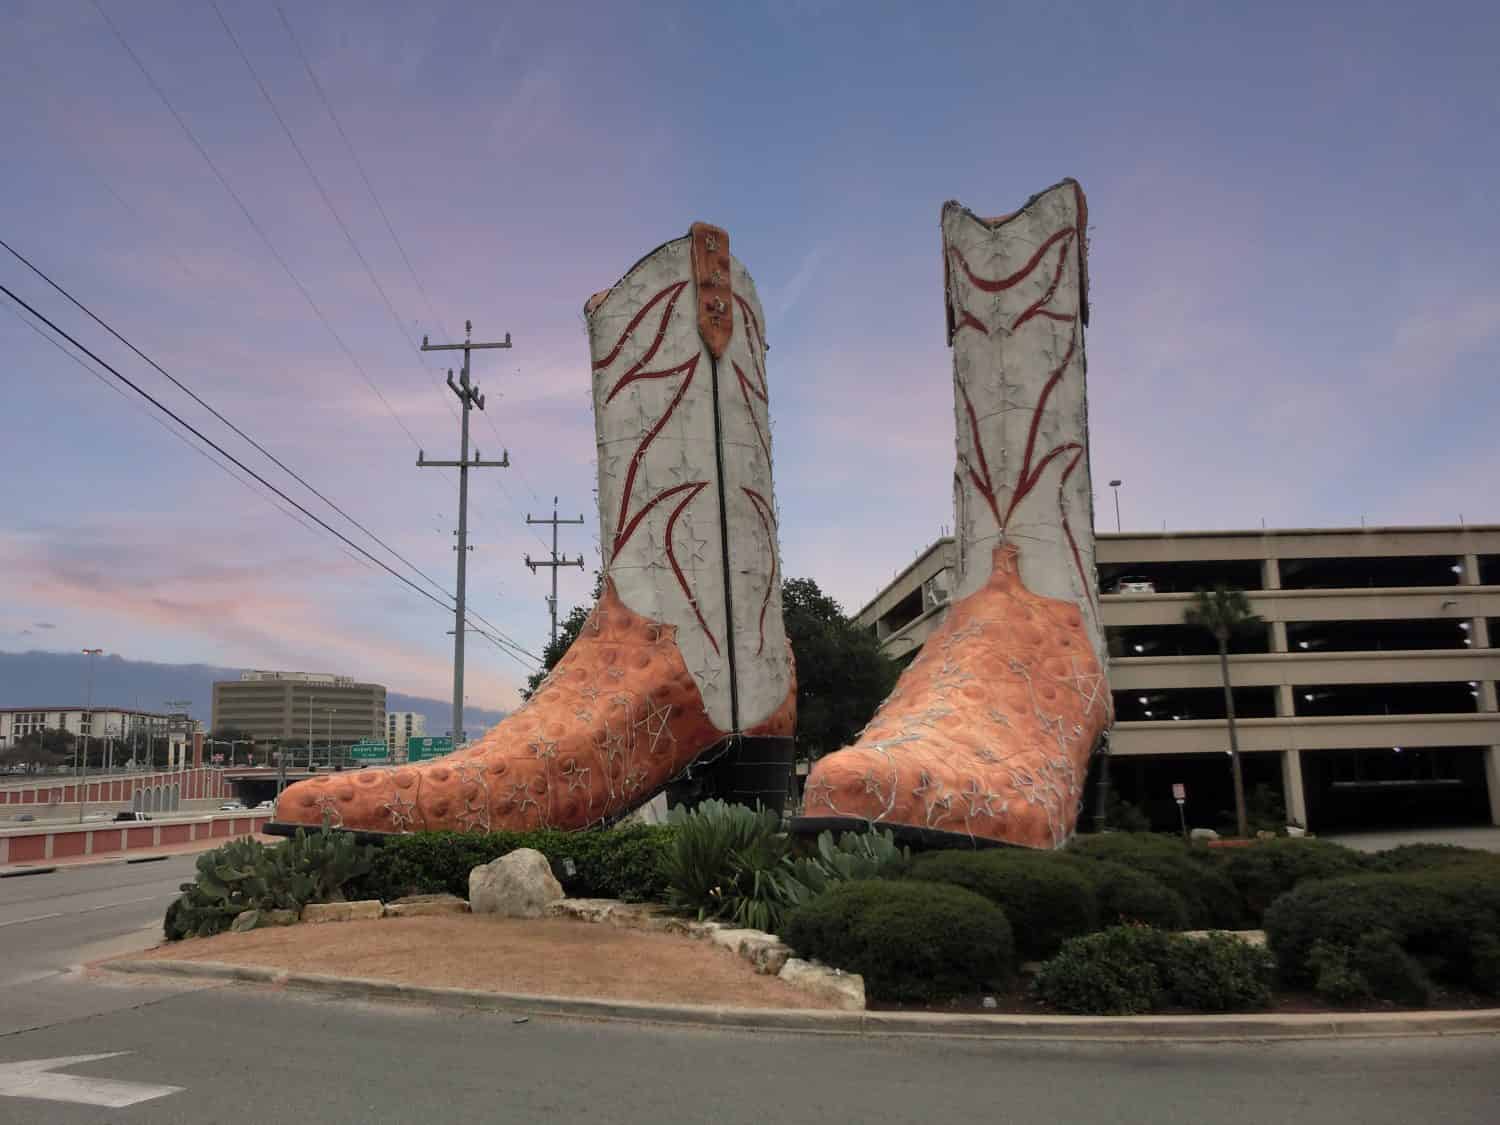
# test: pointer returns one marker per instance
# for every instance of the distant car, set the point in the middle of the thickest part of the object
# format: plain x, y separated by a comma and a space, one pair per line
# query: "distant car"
119, 816
266, 805
97, 816
1135, 586
25, 816
232, 806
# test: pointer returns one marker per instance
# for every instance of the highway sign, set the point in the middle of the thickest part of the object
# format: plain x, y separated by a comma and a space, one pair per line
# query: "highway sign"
368, 750
420, 749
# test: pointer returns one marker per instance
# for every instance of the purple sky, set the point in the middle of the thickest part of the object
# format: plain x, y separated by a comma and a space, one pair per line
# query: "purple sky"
1296, 284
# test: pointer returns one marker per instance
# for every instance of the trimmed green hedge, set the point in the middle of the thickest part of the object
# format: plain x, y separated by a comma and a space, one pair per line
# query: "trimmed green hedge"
1428, 857
1045, 897
1263, 872
624, 863
1128, 970
1190, 870
1124, 895
1446, 918
910, 940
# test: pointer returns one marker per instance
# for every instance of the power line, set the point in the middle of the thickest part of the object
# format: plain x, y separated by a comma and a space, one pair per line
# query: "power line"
144, 412
185, 389
244, 210
201, 436
389, 226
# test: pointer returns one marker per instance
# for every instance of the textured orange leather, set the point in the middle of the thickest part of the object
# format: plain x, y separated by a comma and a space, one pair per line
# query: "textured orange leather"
989, 730
618, 718
715, 294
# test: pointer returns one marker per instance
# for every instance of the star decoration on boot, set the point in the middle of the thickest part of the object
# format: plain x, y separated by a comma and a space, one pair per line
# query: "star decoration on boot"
578, 778
588, 693
939, 810
981, 801
401, 811
328, 806
542, 748
818, 792
656, 722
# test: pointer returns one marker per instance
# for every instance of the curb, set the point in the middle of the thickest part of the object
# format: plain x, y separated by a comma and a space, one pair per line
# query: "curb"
1121, 1029
22, 872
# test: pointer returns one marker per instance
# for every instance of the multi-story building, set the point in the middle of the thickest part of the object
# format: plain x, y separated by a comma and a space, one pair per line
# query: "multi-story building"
399, 726
1366, 695
118, 725
298, 709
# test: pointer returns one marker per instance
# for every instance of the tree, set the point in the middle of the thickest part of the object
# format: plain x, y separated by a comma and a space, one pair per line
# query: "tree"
1224, 612
39, 750
842, 676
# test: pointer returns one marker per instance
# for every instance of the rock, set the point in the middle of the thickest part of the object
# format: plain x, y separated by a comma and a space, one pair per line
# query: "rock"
342, 911
517, 885
1203, 834
420, 906
764, 951
989, 1002
584, 909
245, 921
1249, 937
846, 991
277, 918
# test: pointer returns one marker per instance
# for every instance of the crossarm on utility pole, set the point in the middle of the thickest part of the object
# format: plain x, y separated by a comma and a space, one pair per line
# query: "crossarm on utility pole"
555, 562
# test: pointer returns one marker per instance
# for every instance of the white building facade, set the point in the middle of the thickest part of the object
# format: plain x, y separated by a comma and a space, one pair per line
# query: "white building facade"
399, 726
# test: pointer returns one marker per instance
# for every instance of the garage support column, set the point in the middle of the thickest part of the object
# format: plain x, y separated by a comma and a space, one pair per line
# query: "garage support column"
1270, 574
1286, 703
1296, 799
1278, 636
1492, 781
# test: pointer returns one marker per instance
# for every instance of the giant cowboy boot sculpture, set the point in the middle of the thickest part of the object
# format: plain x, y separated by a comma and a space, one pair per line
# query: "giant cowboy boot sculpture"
988, 733
685, 647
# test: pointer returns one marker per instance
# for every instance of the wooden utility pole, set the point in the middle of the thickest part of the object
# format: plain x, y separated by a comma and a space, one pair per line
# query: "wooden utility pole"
555, 562
469, 396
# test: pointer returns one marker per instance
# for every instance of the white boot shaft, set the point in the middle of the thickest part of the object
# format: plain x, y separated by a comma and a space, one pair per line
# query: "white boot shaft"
681, 490
1017, 304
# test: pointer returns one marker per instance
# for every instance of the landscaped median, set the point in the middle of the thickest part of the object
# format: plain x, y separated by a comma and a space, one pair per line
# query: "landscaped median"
1012, 941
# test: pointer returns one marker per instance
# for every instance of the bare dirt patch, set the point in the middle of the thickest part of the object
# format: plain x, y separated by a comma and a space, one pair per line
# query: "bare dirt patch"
545, 956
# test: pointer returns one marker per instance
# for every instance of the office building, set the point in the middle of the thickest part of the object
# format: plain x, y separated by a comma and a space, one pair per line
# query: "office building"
291, 708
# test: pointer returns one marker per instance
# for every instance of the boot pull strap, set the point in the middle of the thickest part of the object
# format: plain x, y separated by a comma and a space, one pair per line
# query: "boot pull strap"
715, 295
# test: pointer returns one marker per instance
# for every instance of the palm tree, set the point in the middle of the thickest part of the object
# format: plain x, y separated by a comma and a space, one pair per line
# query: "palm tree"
1223, 612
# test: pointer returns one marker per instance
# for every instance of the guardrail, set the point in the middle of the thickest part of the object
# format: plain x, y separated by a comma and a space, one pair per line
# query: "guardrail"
35, 843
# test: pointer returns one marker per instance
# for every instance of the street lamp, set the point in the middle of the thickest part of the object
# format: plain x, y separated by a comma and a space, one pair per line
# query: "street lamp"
1115, 484
332, 711
83, 787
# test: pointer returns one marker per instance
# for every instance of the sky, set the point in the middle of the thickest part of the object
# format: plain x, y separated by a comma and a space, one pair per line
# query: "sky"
1295, 283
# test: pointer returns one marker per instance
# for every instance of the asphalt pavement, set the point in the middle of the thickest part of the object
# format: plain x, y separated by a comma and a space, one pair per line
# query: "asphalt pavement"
51, 923
76, 1048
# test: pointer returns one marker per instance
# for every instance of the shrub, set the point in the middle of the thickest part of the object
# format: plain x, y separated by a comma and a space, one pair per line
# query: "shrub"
910, 940
727, 861
245, 875
1484, 971
1427, 857
1045, 898
1112, 973
1192, 871
1219, 973
1440, 917
1334, 979
1392, 974
1126, 896
1263, 872
625, 863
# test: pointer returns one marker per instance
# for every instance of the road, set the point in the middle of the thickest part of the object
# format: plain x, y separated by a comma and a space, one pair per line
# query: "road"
51, 923
235, 1053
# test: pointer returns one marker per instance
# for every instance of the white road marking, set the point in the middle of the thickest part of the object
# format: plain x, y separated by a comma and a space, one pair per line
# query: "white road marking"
85, 910
31, 1078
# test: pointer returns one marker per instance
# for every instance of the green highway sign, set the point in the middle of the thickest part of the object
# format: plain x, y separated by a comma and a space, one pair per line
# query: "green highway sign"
420, 749
368, 750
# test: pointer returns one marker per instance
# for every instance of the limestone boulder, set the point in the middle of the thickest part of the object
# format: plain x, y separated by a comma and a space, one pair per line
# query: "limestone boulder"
845, 991
424, 906
517, 885
342, 911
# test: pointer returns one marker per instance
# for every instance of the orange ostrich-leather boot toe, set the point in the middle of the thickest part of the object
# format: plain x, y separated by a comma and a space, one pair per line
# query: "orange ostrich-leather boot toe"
988, 733
685, 647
